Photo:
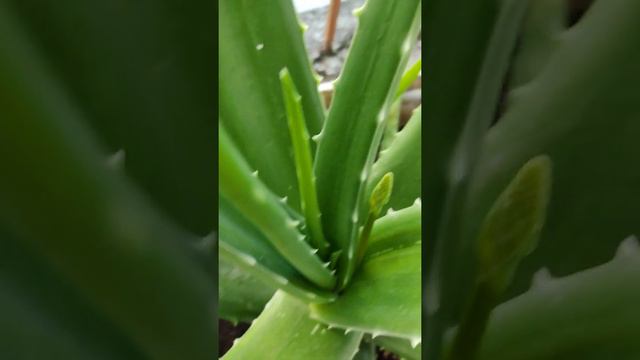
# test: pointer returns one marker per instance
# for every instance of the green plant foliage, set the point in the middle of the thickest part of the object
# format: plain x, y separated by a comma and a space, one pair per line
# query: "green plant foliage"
601, 299
354, 128
286, 318
98, 260
299, 216
369, 306
572, 95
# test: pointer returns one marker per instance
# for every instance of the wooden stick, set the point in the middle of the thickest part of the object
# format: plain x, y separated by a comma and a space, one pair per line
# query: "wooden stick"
332, 19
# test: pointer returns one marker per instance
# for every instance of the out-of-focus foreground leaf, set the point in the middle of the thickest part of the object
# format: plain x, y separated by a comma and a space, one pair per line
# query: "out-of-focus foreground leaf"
111, 249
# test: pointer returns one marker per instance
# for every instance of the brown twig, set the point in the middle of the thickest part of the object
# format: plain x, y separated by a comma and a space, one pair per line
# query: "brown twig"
332, 20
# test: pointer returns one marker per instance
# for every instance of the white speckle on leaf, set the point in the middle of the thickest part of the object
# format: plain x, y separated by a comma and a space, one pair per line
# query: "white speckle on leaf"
248, 259
281, 280
406, 46
116, 160
259, 46
629, 247
292, 223
541, 278
363, 175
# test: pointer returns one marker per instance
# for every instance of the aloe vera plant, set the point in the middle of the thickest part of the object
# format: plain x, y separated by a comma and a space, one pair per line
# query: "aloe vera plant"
320, 230
527, 213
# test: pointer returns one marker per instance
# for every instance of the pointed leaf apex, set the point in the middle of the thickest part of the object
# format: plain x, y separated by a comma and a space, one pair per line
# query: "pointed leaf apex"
381, 194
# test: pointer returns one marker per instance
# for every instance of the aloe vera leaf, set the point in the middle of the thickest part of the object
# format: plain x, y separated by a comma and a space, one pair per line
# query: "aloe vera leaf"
355, 123
383, 298
378, 199
294, 287
403, 159
512, 226
587, 123
304, 162
392, 124
36, 304
409, 76
22, 325
393, 117
91, 225
152, 100
592, 314
240, 233
509, 233
396, 229
399, 346
453, 52
284, 331
444, 275
256, 40
543, 25
253, 254
259, 205
241, 295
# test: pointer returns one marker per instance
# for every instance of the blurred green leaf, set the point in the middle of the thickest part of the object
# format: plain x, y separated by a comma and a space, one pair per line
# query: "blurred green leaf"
592, 315
588, 123
141, 74
93, 227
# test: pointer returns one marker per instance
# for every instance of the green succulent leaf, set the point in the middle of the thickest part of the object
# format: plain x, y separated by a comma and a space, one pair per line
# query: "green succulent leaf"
89, 222
256, 41
304, 162
588, 125
541, 34
384, 297
241, 295
403, 159
259, 205
355, 123
142, 77
509, 233
409, 76
453, 54
592, 314
378, 199
37, 304
284, 331
399, 346
249, 251
446, 280
511, 229
294, 287
239, 233
396, 229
